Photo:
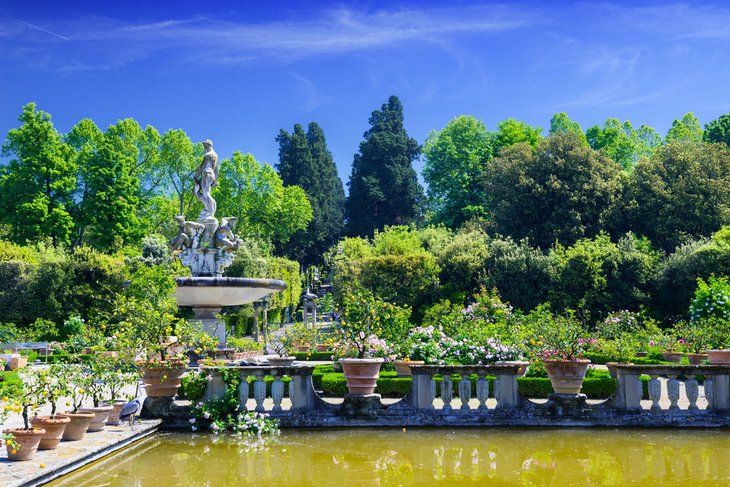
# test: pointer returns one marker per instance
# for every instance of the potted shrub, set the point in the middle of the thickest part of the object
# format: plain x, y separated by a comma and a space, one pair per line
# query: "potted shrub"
8, 405
245, 348
303, 337
100, 368
696, 337
55, 387
77, 385
620, 350
560, 342
711, 306
116, 380
359, 350
717, 333
146, 318
26, 439
668, 345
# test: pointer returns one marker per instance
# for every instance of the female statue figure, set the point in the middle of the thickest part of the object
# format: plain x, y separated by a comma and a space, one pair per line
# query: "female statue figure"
206, 176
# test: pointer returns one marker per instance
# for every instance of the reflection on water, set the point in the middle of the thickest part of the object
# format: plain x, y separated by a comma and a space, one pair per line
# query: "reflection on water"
555, 457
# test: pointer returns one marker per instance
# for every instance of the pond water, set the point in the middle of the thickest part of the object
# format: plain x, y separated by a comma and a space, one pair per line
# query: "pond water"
556, 457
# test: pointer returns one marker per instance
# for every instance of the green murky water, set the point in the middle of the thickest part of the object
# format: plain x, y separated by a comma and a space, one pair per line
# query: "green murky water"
555, 457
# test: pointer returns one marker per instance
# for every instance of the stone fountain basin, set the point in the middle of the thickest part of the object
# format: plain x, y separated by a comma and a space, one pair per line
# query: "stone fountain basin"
214, 292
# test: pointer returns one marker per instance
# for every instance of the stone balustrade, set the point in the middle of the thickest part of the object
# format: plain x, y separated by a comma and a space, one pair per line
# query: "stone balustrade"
629, 390
675, 398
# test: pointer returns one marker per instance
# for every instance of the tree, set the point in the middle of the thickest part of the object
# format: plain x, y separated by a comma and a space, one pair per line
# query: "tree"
688, 129
38, 183
561, 192
384, 189
179, 158
305, 161
512, 131
622, 143
108, 210
561, 123
456, 162
256, 196
718, 130
681, 193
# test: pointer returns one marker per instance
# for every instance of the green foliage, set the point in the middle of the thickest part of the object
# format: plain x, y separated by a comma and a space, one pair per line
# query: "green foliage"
688, 129
396, 240
562, 191
718, 130
622, 143
675, 280
711, 299
383, 187
38, 182
255, 195
305, 161
456, 160
601, 276
363, 316
192, 386
42, 330
520, 272
682, 192
594, 388
463, 261
560, 123
512, 131
554, 337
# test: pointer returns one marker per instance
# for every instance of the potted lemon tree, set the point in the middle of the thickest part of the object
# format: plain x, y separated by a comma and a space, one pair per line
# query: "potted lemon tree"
26, 439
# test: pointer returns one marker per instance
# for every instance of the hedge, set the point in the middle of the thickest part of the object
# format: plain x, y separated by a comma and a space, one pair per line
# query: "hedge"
319, 356
9, 384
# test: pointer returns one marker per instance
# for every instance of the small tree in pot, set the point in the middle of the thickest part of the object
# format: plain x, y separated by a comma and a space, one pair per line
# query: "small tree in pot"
55, 387
30, 396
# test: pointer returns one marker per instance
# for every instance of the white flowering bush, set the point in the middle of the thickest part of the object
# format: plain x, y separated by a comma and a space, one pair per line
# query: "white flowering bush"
711, 300
431, 345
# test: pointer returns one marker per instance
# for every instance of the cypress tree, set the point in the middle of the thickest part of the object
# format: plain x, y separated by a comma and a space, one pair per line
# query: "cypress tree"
384, 189
305, 161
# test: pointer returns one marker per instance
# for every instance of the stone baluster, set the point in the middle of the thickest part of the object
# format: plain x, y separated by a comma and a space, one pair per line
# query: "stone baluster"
277, 393
464, 392
243, 391
655, 394
447, 392
216, 388
482, 391
506, 391
710, 391
259, 393
673, 392
421, 391
721, 392
692, 389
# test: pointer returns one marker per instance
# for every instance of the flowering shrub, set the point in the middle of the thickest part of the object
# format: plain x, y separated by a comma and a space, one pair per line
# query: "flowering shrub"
488, 308
618, 323
711, 300
431, 345
222, 414
365, 322
555, 337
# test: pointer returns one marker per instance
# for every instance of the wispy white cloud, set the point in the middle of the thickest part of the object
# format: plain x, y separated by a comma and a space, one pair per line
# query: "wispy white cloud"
107, 43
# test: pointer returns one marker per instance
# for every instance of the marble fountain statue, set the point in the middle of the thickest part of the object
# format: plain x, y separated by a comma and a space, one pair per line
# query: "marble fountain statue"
207, 246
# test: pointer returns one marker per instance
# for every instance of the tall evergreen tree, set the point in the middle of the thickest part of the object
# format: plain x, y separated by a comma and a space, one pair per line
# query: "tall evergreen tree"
305, 161
37, 185
384, 189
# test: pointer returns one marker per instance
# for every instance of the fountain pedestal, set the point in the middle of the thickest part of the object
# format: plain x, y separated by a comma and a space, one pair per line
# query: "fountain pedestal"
211, 324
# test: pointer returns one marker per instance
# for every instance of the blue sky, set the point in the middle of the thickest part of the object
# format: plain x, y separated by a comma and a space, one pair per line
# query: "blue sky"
237, 72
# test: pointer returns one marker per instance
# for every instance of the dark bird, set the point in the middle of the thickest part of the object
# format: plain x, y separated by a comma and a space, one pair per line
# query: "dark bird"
130, 410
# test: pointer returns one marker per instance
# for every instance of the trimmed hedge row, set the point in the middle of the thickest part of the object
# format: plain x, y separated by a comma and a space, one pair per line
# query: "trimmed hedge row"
322, 356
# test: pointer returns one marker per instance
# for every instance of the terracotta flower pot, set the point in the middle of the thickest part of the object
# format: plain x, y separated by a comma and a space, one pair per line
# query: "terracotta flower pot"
281, 361
696, 358
674, 357
101, 415
361, 374
718, 357
321, 347
162, 380
76, 429
565, 376
114, 414
403, 367
27, 440
54, 430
